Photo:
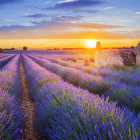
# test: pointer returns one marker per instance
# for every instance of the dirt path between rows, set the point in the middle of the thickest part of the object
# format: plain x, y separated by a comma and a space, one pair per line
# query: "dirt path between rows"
28, 106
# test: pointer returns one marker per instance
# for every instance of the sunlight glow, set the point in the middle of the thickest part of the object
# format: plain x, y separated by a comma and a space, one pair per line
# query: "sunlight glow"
91, 43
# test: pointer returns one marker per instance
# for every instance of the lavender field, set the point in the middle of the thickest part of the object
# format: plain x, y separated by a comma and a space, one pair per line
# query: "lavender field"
60, 96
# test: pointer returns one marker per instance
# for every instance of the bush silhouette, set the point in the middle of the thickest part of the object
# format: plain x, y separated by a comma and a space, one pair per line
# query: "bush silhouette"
25, 48
1, 50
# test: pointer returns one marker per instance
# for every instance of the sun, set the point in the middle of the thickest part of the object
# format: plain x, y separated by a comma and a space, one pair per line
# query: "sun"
91, 43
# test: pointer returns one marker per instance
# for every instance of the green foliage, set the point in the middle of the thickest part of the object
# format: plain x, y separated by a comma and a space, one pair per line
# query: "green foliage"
126, 69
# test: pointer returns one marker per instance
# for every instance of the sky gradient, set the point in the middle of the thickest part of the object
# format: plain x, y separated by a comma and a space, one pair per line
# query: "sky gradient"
68, 23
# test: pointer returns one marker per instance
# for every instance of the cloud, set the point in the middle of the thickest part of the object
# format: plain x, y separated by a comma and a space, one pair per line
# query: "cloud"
137, 31
88, 35
31, 34
108, 8
72, 25
138, 13
76, 4
8, 20
14, 28
46, 24
96, 25
61, 30
2, 2
85, 11
68, 18
55, 26
67, 1
35, 15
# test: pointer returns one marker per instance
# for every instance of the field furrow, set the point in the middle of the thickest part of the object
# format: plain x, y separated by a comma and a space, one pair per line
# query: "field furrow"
107, 86
66, 112
28, 106
133, 79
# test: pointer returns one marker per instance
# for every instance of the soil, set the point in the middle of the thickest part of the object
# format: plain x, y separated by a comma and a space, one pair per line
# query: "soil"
28, 106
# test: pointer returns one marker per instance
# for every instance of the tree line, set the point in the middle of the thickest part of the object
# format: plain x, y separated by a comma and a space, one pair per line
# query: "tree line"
11, 49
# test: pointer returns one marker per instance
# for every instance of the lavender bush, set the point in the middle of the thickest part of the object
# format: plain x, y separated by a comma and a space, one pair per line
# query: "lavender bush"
66, 112
4, 60
10, 117
129, 78
11, 114
104, 85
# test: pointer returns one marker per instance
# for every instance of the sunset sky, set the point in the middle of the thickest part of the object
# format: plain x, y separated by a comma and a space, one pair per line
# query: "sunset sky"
69, 23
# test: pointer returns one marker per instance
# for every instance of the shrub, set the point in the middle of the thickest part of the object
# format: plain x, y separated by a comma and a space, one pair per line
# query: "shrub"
86, 62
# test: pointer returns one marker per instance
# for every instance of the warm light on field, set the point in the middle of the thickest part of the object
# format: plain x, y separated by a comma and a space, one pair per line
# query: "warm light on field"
91, 43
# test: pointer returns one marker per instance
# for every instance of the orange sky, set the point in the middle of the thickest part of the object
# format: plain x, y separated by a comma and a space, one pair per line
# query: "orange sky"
63, 43
46, 24
68, 36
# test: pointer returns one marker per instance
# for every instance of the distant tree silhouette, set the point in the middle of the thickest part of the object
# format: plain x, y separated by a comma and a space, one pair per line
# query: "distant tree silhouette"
25, 48
12, 48
132, 47
1, 50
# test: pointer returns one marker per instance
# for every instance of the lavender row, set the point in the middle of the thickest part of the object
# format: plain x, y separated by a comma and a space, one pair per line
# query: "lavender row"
123, 87
11, 115
66, 112
68, 57
5, 60
132, 78
88, 61
95, 84
3, 55
124, 94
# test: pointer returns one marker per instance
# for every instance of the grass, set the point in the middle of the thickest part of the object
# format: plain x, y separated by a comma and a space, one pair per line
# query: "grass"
126, 69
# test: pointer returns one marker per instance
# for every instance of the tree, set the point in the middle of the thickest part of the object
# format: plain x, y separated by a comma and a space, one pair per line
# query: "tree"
25, 48
1, 50
12, 48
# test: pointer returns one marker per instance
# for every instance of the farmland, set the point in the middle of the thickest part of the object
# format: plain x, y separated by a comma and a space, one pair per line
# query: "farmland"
64, 96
